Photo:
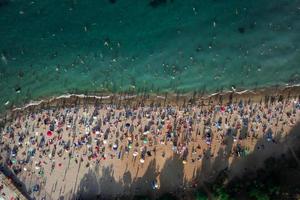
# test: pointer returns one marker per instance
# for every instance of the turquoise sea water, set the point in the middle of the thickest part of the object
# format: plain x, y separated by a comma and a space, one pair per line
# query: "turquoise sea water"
50, 47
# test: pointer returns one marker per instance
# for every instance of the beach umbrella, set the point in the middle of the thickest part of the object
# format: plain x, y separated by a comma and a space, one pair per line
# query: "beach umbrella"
135, 153
36, 188
115, 146
154, 185
41, 173
49, 133
169, 126
146, 132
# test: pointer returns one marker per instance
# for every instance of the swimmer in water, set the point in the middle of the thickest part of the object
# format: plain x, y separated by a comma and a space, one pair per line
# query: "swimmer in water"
3, 58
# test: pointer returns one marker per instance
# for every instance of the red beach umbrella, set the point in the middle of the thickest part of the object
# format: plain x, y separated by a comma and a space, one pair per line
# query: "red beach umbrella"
49, 133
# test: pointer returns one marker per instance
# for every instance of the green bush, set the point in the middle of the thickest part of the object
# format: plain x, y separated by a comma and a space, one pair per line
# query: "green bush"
221, 194
258, 194
201, 196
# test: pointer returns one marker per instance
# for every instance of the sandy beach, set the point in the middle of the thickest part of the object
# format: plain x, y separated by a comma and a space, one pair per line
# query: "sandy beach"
78, 147
149, 99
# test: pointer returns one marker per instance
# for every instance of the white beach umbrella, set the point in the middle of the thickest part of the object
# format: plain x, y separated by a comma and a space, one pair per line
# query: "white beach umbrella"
135, 154
146, 133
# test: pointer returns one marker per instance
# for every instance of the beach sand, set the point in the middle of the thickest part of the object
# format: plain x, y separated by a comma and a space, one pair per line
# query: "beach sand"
196, 163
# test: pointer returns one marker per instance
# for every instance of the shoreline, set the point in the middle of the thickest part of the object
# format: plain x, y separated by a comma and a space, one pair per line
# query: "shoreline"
172, 99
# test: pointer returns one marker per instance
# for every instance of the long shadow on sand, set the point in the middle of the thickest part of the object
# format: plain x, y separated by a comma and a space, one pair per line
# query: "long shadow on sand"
104, 186
271, 162
279, 170
268, 158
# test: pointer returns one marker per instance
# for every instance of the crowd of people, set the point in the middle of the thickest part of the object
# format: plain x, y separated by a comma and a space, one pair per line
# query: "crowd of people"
92, 134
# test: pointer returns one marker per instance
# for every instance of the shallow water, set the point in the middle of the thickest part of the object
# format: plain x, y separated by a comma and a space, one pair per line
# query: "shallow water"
50, 47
